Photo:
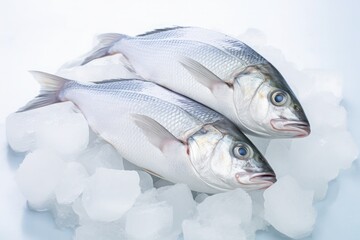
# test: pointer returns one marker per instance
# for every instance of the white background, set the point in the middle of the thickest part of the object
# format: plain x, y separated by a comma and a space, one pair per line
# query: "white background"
43, 34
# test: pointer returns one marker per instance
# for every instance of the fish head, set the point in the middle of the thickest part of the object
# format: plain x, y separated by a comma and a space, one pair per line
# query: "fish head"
227, 160
267, 106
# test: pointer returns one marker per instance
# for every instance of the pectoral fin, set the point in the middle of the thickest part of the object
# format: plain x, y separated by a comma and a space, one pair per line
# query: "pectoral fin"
201, 73
155, 132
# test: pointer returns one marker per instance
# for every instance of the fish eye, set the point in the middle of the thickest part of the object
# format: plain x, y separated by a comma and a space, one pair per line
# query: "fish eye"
279, 98
242, 151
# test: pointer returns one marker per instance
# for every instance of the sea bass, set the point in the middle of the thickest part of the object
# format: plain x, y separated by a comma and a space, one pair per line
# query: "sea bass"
216, 70
163, 132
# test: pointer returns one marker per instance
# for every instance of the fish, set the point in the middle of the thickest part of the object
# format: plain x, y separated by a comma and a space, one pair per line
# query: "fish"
162, 132
216, 70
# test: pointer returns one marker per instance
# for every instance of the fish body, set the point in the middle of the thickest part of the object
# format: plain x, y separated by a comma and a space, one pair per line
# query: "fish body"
216, 70
164, 133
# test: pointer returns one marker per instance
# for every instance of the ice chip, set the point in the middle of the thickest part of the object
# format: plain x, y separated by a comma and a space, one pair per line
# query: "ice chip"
150, 196
130, 166
150, 221
180, 198
110, 193
324, 81
220, 216
79, 209
254, 37
64, 215
162, 183
229, 208
72, 183
278, 155
316, 160
257, 221
37, 177
320, 189
333, 116
200, 197
100, 154
195, 230
60, 127
146, 181
289, 208
100, 231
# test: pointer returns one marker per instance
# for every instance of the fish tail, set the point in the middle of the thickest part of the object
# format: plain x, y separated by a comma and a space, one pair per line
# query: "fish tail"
102, 49
51, 86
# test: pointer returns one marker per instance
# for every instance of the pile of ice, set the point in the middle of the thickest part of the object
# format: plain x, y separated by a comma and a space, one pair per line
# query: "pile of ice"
87, 186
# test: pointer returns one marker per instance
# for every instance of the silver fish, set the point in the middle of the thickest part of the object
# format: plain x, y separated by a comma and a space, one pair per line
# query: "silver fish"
216, 70
163, 132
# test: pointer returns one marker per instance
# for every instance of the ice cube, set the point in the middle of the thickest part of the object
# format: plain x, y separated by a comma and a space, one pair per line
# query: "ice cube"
195, 230
229, 208
80, 211
289, 208
254, 37
100, 231
257, 220
220, 216
332, 114
324, 82
200, 197
150, 221
146, 181
278, 155
64, 215
100, 154
180, 198
162, 183
37, 177
72, 183
317, 159
60, 127
110, 193
130, 166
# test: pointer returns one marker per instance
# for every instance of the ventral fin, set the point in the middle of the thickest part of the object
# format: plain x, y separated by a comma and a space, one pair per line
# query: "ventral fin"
201, 73
154, 131
153, 173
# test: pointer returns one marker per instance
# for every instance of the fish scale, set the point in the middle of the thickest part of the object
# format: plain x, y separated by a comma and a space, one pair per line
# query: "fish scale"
174, 118
216, 70
227, 43
176, 49
163, 132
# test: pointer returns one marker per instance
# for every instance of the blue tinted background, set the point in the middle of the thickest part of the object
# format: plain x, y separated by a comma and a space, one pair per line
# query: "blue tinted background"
43, 34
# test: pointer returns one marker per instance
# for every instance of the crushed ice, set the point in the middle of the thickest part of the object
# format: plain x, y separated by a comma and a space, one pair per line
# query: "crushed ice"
87, 185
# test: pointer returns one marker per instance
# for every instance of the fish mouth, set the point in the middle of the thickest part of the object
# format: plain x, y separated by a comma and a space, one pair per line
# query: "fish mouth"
293, 128
260, 180
266, 177
264, 180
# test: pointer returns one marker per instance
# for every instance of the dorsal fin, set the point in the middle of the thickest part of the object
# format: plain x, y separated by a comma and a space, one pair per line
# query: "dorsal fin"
159, 30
